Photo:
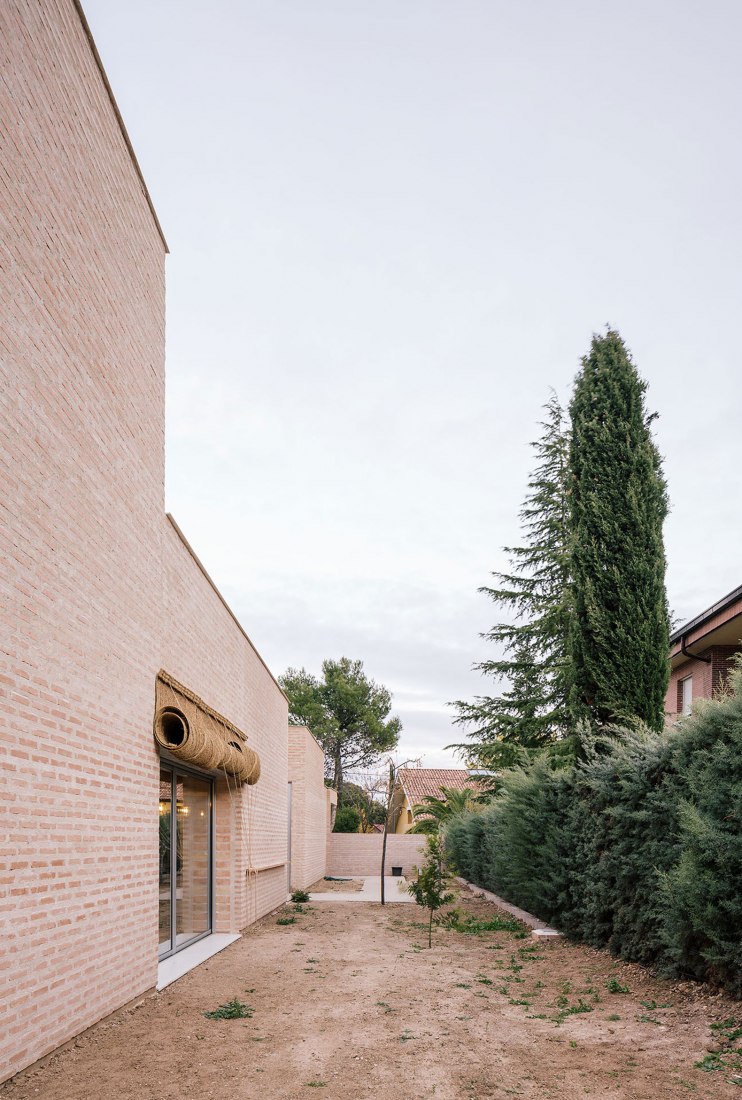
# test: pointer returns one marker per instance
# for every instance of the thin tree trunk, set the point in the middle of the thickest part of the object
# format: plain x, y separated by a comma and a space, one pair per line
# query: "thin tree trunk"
430, 930
383, 855
338, 779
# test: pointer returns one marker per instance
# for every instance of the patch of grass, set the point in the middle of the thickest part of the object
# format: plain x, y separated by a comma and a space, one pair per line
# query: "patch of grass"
286, 920
312, 960
300, 895
470, 926
385, 1006
406, 1036
526, 1004
571, 1010
648, 1020
614, 986
613, 1018
316, 1084
232, 1010
484, 981
462, 985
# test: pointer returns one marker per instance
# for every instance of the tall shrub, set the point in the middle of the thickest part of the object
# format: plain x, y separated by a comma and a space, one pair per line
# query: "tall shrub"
618, 638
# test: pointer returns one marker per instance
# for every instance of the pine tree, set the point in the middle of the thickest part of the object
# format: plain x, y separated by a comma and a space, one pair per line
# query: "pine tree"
532, 711
618, 638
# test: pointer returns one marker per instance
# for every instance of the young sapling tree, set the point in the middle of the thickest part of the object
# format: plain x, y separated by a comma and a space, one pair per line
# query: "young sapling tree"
430, 888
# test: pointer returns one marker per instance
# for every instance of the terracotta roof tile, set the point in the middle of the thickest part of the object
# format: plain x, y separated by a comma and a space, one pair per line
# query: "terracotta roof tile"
419, 782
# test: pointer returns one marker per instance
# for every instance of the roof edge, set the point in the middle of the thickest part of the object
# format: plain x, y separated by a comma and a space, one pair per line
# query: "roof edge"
693, 624
119, 119
227, 608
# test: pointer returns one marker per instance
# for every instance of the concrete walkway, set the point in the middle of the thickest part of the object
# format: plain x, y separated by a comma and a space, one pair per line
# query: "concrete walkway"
395, 891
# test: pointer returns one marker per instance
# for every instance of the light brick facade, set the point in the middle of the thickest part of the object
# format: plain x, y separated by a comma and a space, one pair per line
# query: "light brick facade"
360, 853
311, 804
98, 589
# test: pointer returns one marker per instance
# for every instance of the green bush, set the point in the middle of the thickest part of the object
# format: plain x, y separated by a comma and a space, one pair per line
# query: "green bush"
638, 848
347, 820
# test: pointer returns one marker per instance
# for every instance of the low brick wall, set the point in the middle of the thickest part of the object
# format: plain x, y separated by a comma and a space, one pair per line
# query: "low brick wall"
360, 853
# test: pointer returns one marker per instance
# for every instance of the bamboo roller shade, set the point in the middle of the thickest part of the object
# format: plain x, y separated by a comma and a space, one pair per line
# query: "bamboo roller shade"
196, 734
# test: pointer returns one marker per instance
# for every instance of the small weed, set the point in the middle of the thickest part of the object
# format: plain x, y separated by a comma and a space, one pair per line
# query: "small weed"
485, 981
648, 1020
709, 1063
387, 1008
232, 1010
316, 1084
579, 1008
613, 1018
250, 990
406, 1036
538, 1016
300, 895
286, 920
462, 985
312, 960
614, 986
730, 1030
526, 1004
573, 1044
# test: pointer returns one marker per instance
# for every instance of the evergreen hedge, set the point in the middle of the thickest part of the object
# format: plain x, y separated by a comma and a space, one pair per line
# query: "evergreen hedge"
638, 848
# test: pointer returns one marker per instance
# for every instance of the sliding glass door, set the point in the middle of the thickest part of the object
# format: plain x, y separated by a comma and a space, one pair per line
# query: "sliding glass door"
185, 813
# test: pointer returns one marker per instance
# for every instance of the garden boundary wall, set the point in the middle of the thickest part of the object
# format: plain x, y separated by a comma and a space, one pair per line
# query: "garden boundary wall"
360, 853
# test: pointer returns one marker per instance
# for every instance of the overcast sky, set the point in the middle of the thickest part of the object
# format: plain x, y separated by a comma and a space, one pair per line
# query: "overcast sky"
393, 227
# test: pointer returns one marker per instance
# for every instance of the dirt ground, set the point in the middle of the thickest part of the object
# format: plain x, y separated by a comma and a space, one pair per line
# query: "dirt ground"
348, 1002
336, 886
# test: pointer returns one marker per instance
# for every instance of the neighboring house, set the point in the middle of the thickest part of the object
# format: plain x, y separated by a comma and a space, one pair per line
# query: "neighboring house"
701, 653
414, 784
143, 740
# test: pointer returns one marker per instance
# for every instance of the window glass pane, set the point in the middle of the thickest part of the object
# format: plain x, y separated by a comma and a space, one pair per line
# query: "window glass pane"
193, 821
166, 784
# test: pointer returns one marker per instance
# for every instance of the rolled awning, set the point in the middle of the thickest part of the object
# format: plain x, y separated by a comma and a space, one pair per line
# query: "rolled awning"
195, 733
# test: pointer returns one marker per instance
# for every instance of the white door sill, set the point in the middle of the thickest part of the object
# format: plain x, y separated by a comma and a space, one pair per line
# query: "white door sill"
169, 970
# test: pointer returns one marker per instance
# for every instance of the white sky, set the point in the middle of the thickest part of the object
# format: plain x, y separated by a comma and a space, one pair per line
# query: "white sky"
393, 226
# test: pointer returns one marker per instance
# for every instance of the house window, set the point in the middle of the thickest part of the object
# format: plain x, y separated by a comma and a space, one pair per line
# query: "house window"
686, 695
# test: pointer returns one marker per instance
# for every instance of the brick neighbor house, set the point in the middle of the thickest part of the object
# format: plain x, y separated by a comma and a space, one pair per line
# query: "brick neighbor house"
124, 860
701, 653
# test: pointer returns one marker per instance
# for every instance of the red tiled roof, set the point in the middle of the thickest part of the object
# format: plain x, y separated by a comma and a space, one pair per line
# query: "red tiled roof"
419, 782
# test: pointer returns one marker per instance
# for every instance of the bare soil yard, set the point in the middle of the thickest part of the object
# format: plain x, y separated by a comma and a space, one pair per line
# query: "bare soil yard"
347, 1002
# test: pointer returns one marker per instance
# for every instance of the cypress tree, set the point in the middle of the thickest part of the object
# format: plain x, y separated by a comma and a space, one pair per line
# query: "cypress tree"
532, 711
617, 644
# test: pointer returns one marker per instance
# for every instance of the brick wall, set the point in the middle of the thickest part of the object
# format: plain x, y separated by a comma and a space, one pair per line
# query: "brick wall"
205, 648
360, 853
708, 677
97, 590
81, 503
309, 808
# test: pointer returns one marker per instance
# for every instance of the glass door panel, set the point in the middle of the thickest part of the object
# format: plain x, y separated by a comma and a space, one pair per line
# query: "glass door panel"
193, 832
166, 832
